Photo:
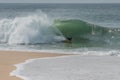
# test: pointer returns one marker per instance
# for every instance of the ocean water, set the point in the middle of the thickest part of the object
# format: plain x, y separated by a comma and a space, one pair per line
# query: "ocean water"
94, 28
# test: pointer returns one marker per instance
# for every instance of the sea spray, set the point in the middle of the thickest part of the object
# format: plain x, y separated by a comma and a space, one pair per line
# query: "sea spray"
30, 29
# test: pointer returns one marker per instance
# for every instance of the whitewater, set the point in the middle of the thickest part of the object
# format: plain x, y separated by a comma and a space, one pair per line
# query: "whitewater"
95, 32
70, 68
31, 29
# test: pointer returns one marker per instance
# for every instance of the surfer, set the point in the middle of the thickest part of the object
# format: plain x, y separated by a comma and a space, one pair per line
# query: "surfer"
68, 40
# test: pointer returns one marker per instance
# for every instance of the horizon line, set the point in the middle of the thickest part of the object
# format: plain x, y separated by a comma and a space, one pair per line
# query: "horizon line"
59, 3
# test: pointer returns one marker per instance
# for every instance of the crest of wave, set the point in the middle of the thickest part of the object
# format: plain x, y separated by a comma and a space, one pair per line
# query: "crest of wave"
30, 29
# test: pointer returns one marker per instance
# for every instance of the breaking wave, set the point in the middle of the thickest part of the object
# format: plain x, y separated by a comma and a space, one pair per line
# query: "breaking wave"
30, 29
39, 28
84, 32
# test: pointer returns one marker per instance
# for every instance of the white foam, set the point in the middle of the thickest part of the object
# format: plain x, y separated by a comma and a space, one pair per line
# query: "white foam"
32, 28
69, 68
20, 66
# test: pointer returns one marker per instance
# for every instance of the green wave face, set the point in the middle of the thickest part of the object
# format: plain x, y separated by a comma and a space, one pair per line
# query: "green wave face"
84, 33
78, 29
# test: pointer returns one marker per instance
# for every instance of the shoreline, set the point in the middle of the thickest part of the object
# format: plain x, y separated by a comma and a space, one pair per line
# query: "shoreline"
9, 58
75, 67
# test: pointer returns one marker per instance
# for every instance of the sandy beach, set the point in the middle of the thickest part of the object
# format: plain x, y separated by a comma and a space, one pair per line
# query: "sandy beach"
9, 58
76, 66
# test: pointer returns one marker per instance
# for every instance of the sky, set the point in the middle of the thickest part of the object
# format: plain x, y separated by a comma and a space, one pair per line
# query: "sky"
59, 1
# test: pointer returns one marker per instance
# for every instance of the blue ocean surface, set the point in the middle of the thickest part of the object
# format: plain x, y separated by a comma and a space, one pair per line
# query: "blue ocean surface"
94, 28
